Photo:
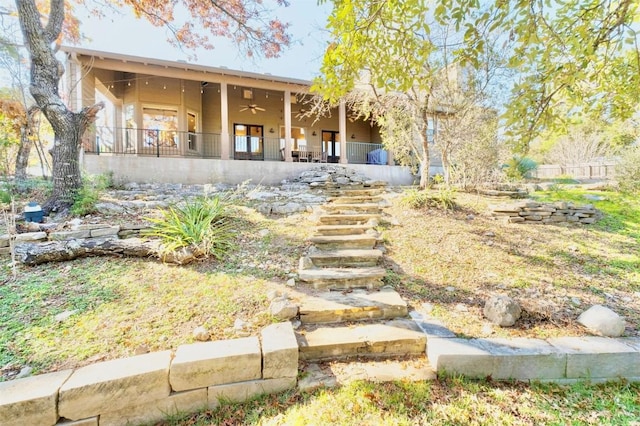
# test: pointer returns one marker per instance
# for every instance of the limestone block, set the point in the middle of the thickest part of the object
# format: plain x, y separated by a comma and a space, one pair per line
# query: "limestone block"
433, 328
91, 421
572, 219
69, 235
243, 391
105, 232
279, 351
31, 236
519, 359
525, 359
212, 363
598, 357
603, 321
113, 385
515, 219
154, 411
4, 240
588, 220
5, 250
533, 217
31, 400
89, 226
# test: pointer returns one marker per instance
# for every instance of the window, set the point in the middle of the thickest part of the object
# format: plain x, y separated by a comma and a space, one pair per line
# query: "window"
160, 127
192, 129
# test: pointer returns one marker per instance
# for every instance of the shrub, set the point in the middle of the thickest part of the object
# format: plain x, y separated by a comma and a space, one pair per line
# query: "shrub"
443, 198
628, 171
86, 198
202, 224
518, 168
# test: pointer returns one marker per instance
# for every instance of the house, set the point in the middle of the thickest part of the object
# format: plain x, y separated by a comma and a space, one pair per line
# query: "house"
169, 121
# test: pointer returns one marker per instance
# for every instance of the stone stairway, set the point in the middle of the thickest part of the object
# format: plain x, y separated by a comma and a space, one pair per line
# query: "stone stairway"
349, 318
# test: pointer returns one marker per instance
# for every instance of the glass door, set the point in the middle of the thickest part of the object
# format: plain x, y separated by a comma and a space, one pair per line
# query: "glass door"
249, 142
331, 145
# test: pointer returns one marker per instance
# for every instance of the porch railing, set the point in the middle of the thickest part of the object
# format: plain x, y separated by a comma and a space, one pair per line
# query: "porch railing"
357, 151
151, 142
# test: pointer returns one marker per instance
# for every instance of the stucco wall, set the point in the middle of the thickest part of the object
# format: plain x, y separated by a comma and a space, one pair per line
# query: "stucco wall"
201, 171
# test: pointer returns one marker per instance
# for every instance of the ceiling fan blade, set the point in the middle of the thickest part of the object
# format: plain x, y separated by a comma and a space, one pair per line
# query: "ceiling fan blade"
253, 110
259, 108
244, 109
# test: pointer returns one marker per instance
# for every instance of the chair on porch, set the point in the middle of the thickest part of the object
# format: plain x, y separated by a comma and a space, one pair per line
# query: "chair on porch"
319, 157
303, 154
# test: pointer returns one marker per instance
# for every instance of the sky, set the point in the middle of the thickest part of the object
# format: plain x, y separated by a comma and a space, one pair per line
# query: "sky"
130, 36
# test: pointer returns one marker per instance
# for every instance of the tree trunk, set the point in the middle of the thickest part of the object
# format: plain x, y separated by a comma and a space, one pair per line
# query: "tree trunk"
22, 159
46, 72
425, 161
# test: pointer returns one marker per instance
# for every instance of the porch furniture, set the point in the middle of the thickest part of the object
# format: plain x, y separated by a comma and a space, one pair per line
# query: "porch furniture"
319, 157
304, 155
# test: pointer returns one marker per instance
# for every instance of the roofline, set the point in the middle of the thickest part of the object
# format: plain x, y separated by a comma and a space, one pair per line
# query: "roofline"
184, 65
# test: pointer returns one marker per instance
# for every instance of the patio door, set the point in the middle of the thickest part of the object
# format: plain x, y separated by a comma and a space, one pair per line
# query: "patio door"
331, 145
249, 142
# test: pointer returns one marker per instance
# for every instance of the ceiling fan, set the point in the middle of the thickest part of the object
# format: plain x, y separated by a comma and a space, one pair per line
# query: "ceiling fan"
252, 107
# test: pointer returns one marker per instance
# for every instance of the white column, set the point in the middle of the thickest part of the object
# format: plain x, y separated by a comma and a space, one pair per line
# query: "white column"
287, 126
224, 121
343, 132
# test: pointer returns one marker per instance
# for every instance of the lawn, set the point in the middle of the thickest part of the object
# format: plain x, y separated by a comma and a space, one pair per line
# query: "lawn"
444, 262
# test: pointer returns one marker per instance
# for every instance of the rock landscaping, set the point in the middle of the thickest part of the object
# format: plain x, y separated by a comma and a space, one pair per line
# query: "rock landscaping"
531, 212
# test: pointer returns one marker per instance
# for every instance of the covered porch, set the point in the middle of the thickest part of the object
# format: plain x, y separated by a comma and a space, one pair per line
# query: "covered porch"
176, 110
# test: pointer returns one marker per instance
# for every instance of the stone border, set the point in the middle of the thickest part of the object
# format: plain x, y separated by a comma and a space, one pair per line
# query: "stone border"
531, 212
150, 387
560, 359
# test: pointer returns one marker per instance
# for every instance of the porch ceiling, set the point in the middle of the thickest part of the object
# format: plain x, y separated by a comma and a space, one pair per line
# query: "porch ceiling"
186, 71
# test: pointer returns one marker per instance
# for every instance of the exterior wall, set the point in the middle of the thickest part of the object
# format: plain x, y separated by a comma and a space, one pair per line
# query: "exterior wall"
201, 171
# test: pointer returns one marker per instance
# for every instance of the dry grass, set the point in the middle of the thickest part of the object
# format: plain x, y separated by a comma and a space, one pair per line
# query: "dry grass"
452, 261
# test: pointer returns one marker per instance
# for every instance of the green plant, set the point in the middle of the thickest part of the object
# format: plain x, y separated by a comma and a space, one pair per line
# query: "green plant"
86, 198
628, 171
443, 198
5, 196
518, 168
202, 224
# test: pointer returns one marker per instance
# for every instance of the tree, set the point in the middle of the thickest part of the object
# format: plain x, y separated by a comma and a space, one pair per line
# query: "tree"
574, 57
405, 63
43, 26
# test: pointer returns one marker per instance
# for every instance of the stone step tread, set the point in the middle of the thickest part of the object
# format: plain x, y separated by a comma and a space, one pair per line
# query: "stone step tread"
346, 257
335, 306
333, 206
342, 229
338, 373
324, 239
346, 219
384, 339
343, 278
354, 192
355, 199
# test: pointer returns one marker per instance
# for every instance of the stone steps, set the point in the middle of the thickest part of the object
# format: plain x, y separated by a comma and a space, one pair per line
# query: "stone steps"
379, 340
348, 219
342, 229
358, 305
355, 199
354, 192
343, 278
347, 258
360, 208
333, 242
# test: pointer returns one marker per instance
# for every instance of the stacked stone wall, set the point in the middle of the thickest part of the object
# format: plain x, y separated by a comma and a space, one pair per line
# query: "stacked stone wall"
531, 212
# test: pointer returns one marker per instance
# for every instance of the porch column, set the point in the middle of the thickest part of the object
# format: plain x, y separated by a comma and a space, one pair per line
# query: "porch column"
287, 126
390, 160
224, 121
342, 127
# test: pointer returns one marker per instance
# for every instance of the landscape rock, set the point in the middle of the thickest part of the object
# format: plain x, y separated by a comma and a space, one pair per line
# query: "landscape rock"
283, 309
602, 320
201, 334
502, 310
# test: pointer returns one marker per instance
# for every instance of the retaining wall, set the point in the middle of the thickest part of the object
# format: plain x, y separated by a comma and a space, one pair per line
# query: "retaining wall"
530, 212
150, 387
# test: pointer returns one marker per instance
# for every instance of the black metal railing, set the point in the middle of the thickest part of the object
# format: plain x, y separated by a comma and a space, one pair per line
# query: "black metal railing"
152, 142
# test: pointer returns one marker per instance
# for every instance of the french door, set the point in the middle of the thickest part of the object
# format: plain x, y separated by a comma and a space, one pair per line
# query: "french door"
331, 145
249, 142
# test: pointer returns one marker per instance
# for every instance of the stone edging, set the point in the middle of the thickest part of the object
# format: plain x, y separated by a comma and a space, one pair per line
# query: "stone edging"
531, 212
560, 359
150, 387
